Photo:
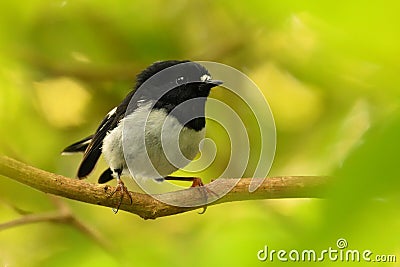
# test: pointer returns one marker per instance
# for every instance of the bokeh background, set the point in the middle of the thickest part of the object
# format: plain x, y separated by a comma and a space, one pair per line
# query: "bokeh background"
329, 69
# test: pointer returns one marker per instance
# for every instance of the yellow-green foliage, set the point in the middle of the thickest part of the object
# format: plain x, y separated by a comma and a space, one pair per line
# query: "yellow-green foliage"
329, 69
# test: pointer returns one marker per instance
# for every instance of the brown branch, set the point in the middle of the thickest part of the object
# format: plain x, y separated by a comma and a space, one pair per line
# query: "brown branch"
148, 207
62, 214
51, 216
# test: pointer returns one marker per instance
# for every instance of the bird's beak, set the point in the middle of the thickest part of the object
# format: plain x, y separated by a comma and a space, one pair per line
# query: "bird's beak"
215, 82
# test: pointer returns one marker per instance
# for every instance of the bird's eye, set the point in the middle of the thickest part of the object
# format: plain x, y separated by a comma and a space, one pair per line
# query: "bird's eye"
205, 78
180, 80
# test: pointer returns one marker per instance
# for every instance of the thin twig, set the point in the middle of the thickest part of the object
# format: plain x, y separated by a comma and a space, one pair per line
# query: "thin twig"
52, 216
147, 206
63, 215
16, 209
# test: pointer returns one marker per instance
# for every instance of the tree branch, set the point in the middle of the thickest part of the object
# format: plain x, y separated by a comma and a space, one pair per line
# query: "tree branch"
62, 214
148, 207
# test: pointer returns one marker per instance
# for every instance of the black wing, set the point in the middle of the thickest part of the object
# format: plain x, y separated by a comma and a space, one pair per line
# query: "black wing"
79, 146
93, 151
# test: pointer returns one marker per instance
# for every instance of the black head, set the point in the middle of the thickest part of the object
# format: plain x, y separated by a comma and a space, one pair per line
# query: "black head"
154, 69
174, 82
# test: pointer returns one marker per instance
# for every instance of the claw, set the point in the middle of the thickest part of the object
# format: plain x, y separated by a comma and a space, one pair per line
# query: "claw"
197, 182
203, 211
124, 190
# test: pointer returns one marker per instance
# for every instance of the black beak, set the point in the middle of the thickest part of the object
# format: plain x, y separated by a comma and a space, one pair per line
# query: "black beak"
214, 82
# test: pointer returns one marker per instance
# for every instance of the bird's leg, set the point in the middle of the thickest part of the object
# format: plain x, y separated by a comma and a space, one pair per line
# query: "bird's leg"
196, 182
122, 188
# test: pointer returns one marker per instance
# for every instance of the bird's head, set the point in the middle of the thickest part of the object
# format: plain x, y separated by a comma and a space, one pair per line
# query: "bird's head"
175, 82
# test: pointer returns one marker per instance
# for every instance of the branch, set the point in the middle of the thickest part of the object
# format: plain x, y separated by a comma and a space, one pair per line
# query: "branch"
62, 214
148, 207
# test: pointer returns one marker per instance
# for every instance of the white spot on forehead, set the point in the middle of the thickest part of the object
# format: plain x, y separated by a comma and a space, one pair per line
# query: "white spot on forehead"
205, 77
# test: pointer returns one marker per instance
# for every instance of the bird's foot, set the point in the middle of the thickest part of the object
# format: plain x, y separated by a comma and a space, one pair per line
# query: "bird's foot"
205, 191
198, 183
123, 190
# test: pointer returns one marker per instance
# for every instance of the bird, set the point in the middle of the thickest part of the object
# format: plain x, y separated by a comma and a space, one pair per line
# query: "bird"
168, 98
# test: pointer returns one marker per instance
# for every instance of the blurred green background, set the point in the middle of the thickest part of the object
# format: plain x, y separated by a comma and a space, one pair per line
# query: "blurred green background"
329, 69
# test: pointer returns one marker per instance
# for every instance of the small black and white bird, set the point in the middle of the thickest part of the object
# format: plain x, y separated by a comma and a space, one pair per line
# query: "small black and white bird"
168, 101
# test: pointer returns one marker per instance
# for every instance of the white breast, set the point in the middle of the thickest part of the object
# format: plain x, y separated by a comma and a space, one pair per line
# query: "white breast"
151, 144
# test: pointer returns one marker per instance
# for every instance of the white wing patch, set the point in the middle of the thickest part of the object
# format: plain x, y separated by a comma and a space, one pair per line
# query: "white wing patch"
109, 114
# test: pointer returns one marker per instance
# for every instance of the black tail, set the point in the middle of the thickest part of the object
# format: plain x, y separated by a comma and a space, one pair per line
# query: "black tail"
106, 176
79, 146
